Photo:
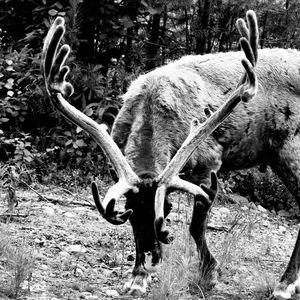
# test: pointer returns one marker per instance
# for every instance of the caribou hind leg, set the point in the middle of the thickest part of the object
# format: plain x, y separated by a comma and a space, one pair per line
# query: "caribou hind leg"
208, 263
287, 165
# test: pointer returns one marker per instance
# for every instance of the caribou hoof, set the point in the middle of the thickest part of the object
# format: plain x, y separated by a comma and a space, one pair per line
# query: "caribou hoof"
137, 286
285, 291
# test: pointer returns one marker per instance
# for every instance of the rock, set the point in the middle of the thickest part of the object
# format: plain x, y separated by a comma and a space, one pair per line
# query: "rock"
64, 254
44, 267
79, 272
76, 249
50, 211
69, 215
281, 229
220, 213
224, 211
112, 293
260, 208
238, 199
88, 296
244, 208
283, 213
92, 297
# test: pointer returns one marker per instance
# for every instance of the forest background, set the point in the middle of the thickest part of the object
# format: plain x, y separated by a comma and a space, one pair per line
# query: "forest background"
113, 42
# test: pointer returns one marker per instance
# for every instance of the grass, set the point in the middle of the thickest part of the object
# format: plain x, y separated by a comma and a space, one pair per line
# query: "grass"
178, 276
239, 261
174, 277
16, 264
249, 252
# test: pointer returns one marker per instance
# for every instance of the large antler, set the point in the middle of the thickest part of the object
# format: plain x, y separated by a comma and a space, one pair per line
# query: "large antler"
245, 90
55, 72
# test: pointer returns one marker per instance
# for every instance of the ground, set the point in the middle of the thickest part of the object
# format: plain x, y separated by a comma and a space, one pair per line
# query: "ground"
63, 249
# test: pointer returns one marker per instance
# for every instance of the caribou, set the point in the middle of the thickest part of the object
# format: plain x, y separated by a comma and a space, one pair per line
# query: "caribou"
182, 123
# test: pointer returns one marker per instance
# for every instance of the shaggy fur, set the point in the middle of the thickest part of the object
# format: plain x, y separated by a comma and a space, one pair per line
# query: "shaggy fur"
159, 106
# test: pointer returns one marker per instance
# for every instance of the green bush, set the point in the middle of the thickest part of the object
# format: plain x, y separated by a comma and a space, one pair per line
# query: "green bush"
34, 134
263, 188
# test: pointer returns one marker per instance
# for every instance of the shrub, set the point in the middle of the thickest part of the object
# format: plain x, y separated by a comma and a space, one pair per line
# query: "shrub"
263, 188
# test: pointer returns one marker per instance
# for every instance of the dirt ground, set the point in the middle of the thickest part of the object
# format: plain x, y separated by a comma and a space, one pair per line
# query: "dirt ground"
76, 254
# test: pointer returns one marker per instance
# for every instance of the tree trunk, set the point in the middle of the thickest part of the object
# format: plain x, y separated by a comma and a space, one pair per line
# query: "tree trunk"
163, 34
263, 34
132, 11
187, 36
86, 35
203, 21
128, 53
223, 27
153, 45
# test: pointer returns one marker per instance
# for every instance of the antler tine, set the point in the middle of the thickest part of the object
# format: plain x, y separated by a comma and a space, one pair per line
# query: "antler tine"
249, 39
51, 44
55, 72
245, 90
254, 34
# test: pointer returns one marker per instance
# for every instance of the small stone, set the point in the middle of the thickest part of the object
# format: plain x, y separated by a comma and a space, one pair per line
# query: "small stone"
64, 254
224, 211
283, 213
76, 248
69, 215
44, 267
79, 272
49, 211
244, 208
92, 297
281, 229
238, 199
112, 293
87, 296
260, 208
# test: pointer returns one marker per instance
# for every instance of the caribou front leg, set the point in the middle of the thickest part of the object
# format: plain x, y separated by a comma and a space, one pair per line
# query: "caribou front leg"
148, 248
141, 274
208, 263
146, 263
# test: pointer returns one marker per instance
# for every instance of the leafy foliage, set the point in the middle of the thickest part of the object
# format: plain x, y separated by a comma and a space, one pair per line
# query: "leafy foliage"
112, 42
19, 84
264, 188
